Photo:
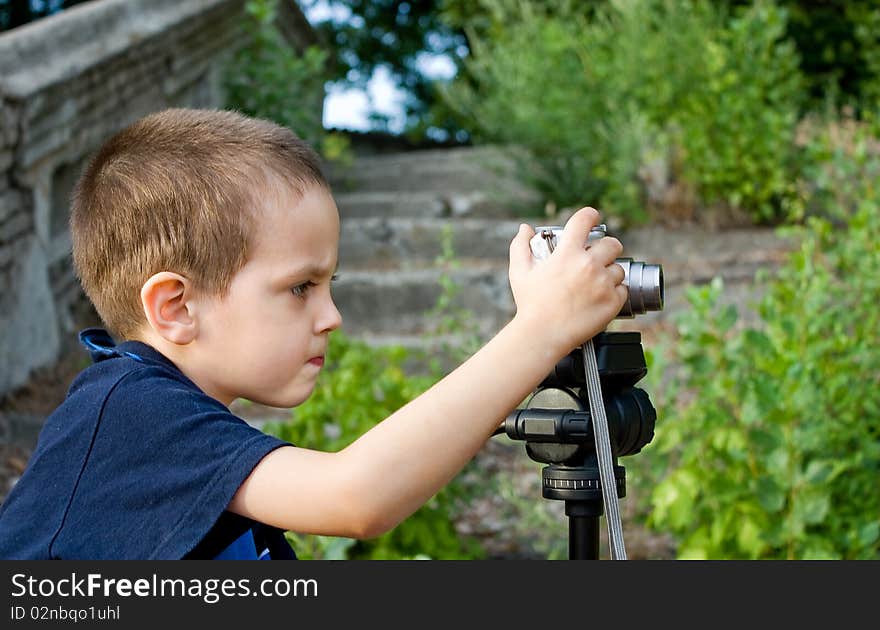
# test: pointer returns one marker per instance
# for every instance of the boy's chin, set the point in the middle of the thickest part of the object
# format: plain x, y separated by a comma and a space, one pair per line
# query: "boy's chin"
282, 400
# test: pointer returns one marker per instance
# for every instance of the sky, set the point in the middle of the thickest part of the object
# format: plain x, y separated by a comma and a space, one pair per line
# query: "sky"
350, 108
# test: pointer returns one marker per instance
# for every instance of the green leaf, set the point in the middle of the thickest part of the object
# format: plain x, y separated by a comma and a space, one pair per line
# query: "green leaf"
728, 317
770, 494
818, 471
819, 550
811, 505
777, 462
766, 439
748, 537
869, 534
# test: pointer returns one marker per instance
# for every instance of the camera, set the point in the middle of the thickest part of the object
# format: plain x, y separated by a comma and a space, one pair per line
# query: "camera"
644, 281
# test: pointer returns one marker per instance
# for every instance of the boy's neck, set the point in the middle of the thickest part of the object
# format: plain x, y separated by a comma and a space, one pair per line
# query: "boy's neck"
182, 357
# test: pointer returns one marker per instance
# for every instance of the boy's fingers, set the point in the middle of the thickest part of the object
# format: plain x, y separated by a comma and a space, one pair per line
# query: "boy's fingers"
520, 252
606, 249
577, 228
618, 275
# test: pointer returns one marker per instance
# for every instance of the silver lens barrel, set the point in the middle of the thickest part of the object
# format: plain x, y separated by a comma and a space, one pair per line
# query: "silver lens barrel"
645, 284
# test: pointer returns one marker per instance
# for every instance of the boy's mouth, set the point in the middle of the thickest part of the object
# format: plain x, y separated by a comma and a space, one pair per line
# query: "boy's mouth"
317, 361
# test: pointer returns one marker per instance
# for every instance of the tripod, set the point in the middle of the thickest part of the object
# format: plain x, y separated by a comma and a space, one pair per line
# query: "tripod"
556, 426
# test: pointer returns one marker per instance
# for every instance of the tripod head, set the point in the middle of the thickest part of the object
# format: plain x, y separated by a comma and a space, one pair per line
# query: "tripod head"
556, 425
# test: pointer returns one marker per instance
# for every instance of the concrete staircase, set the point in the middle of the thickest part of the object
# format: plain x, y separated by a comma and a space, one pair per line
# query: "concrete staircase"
396, 208
397, 211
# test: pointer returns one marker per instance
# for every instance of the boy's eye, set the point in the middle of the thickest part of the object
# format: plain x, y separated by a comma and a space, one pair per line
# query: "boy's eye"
301, 290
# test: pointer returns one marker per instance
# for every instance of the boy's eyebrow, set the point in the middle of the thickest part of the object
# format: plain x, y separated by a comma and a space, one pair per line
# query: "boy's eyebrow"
310, 270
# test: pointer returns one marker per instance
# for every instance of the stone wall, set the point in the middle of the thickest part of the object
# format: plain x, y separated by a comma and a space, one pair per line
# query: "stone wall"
67, 83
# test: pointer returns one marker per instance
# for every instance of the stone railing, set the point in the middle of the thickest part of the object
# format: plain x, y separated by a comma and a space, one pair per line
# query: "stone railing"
67, 83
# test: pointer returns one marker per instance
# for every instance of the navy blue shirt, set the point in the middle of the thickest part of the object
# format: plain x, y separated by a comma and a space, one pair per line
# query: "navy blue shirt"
137, 463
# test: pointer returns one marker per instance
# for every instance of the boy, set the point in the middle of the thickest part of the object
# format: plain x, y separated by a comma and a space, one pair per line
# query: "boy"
208, 241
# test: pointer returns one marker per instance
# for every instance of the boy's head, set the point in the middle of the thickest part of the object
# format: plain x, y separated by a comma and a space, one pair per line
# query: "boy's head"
180, 190
214, 237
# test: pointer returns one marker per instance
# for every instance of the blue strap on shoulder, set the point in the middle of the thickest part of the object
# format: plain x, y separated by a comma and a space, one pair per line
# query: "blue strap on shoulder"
101, 346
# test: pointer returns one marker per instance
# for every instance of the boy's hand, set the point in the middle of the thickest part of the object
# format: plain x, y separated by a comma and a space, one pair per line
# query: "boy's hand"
573, 294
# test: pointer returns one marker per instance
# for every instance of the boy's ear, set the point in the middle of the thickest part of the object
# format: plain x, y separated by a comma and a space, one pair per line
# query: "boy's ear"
166, 300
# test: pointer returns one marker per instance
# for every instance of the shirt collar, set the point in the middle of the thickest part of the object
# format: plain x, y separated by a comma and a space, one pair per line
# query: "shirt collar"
101, 346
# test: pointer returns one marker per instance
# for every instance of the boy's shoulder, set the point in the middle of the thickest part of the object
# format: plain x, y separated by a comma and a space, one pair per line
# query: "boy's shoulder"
130, 370
136, 453
131, 395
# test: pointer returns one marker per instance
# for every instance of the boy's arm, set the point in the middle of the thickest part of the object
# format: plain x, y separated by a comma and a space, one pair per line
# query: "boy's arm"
390, 471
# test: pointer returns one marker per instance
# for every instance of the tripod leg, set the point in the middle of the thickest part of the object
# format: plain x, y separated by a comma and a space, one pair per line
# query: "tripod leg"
583, 538
583, 529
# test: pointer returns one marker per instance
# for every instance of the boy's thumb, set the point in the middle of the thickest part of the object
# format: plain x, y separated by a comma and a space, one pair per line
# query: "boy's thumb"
520, 252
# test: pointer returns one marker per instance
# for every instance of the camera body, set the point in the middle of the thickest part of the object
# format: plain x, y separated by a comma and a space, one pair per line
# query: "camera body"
644, 281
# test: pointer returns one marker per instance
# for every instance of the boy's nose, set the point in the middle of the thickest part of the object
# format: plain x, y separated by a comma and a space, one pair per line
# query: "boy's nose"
331, 318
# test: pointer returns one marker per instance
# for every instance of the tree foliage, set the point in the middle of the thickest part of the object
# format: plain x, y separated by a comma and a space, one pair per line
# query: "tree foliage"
834, 41
834, 45
393, 34
268, 79
643, 94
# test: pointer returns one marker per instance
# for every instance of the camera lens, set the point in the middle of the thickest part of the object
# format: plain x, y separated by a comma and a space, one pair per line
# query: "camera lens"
645, 283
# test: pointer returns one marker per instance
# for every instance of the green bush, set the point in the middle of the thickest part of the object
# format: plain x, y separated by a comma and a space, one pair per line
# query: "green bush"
525, 85
773, 450
599, 97
738, 130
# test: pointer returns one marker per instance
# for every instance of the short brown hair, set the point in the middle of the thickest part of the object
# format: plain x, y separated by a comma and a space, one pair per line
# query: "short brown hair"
177, 191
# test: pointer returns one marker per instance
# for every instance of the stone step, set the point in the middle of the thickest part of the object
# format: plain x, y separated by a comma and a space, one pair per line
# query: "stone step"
400, 302
688, 245
390, 280
413, 329
407, 242
432, 204
422, 160
688, 259
486, 170
401, 242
